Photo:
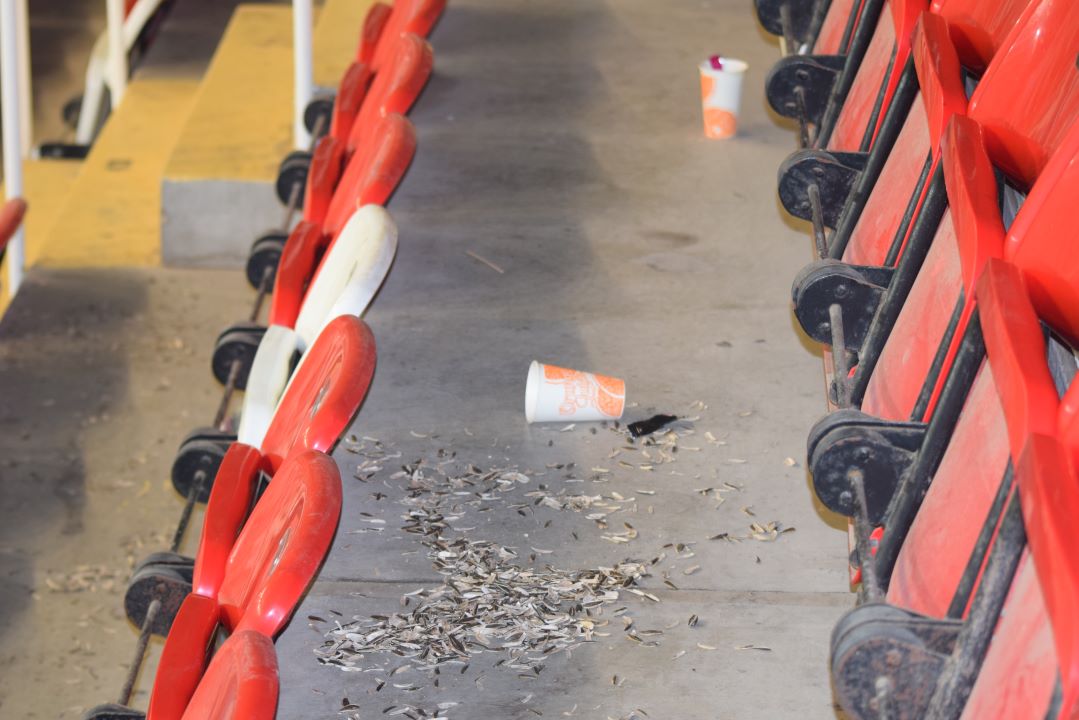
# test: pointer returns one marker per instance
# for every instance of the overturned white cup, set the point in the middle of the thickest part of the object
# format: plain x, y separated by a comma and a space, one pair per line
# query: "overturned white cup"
556, 394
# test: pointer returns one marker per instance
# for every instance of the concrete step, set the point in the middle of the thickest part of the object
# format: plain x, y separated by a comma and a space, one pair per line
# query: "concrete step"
112, 214
217, 189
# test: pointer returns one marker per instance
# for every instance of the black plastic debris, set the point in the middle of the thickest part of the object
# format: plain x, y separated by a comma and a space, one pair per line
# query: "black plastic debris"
649, 426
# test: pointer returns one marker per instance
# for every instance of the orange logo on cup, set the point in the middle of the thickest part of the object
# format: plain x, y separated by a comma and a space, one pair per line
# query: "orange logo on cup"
719, 123
581, 390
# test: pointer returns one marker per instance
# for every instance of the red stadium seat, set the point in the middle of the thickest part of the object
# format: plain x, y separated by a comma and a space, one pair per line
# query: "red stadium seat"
282, 545
916, 361
837, 28
11, 215
303, 251
241, 682
374, 171
350, 95
393, 92
1013, 396
267, 571
958, 560
408, 17
395, 87
230, 502
1017, 677
327, 164
184, 658
325, 392
870, 94
1023, 122
371, 177
374, 23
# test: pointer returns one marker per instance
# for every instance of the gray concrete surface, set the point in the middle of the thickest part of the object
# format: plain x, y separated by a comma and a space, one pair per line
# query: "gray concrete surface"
561, 141
196, 233
101, 374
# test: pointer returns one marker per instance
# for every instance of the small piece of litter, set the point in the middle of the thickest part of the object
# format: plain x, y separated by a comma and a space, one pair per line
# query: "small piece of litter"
649, 426
485, 261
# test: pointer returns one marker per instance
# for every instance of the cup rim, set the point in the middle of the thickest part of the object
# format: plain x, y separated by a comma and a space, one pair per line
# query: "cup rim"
731, 66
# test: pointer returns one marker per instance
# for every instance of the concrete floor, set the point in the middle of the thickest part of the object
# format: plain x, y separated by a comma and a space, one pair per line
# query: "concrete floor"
560, 141
101, 374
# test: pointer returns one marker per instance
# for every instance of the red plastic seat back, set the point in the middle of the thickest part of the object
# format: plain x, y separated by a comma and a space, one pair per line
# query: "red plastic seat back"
830, 38
327, 164
1015, 344
1017, 676
1042, 240
970, 233
416, 17
940, 540
373, 172
396, 86
184, 657
300, 257
1068, 423
940, 76
995, 422
11, 215
878, 74
1049, 492
241, 682
942, 97
1029, 97
282, 545
1048, 488
979, 28
324, 393
350, 94
972, 198
374, 23
230, 501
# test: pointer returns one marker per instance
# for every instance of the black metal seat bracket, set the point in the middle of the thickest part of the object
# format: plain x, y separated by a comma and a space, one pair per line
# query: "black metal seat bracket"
800, 84
886, 660
797, 20
857, 289
834, 174
849, 441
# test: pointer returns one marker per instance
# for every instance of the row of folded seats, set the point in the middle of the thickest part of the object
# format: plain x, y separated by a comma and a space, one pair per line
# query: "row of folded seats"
939, 168
272, 494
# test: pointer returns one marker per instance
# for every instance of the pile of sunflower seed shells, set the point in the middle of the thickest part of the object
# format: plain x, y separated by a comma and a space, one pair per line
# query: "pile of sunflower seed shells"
489, 601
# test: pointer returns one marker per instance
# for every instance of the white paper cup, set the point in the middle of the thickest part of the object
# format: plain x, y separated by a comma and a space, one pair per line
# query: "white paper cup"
555, 394
721, 97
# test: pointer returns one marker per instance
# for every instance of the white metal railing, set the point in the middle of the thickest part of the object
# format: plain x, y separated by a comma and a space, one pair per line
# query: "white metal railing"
302, 70
117, 55
14, 48
107, 67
